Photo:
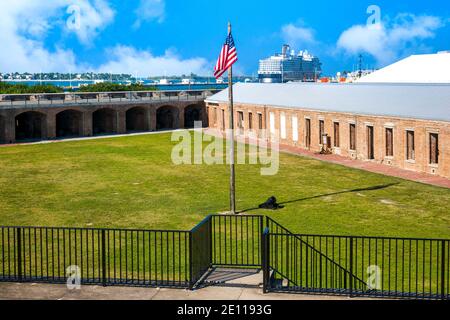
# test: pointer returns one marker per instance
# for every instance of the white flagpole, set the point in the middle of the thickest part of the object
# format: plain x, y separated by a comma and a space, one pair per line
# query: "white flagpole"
231, 137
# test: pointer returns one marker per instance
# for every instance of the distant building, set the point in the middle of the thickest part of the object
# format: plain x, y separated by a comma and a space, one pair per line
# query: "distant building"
288, 66
424, 68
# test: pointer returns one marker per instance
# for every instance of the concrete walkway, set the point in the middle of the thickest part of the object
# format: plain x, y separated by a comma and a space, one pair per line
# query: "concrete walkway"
220, 284
20, 291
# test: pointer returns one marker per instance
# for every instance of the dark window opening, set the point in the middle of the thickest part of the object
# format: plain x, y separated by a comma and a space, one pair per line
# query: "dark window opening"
410, 148
136, 120
104, 121
30, 126
370, 143
434, 148
352, 136
240, 120
223, 119
389, 142
166, 118
191, 115
321, 130
69, 123
308, 133
336, 135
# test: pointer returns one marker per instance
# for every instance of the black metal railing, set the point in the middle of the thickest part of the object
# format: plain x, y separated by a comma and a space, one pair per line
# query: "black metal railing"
295, 260
201, 250
325, 264
236, 240
71, 98
390, 267
103, 256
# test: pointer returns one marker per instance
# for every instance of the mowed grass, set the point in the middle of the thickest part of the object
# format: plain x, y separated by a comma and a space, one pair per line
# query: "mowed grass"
131, 182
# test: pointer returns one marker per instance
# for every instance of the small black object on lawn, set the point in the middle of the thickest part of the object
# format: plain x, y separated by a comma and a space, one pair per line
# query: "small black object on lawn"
271, 204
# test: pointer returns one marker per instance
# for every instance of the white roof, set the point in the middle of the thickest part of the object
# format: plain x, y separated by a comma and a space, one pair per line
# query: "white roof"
418, 101
425, 68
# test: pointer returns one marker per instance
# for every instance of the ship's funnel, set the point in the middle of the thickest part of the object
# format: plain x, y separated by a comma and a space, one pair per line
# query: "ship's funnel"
285, 49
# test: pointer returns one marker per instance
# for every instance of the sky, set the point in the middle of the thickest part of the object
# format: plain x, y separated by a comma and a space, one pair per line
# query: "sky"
174, 37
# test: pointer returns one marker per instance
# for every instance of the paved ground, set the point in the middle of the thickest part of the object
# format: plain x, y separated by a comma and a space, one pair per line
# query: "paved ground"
229, 284
16, 291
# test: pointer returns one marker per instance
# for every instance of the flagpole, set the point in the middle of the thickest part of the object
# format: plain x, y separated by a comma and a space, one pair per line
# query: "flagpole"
231, 137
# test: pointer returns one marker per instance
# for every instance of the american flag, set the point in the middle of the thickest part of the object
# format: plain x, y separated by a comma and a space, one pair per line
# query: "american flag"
227, 57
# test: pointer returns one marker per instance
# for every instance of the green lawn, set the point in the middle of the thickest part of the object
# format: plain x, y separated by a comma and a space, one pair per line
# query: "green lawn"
131, 182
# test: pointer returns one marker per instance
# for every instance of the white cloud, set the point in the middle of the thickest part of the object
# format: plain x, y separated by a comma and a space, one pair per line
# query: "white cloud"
149, 10
392, 39
24, 25
126, 59
93, 17
298, 36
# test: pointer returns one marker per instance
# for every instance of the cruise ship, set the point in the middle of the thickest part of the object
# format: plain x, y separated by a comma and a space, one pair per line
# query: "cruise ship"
288, 67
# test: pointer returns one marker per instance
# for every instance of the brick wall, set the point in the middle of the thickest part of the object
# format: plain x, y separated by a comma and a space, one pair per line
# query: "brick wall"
49, 123
421, 129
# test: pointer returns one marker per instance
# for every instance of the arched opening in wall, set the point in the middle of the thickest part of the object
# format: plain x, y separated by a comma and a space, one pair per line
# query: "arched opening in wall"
137, 120
192, 113
167, 118
30, 125
104, 121
2, 130
69, 123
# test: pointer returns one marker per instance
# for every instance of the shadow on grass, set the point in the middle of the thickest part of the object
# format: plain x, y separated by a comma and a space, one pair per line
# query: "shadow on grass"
379, 187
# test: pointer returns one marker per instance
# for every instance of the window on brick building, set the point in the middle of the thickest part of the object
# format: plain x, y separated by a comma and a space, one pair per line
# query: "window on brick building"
215, 116
389, 142
434, 148
223, 119
260, 125
410, 148
240, 120
352, 136
250, 121
336, 135
308, 133
321, 130
370, 143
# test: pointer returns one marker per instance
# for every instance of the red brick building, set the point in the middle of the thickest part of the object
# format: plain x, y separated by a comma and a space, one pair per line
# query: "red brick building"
402, 125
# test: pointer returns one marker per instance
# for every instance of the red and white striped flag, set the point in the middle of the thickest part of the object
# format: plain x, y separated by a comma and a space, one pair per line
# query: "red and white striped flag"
227, 57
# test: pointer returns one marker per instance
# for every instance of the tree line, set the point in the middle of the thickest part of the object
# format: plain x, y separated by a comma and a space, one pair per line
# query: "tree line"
20, 88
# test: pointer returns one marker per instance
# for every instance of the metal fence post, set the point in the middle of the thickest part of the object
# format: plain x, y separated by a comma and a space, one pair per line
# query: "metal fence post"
19, 253
443, 270
104, 257
191, 264
351, 267
210, 241
265, 260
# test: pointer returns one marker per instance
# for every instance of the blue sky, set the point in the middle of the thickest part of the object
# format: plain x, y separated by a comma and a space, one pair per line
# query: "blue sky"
156, 37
